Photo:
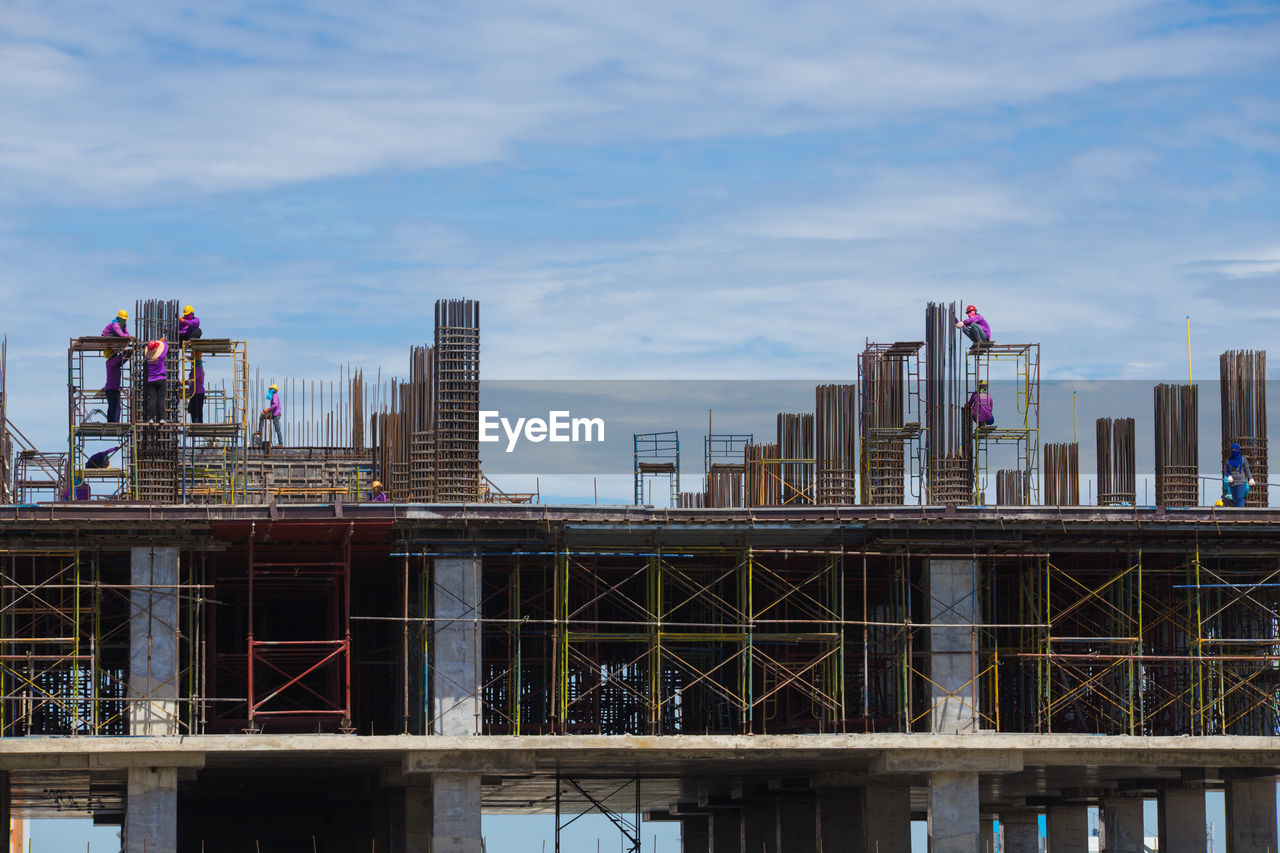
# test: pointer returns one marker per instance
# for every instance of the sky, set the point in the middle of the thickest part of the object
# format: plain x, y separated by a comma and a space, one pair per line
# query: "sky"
656, 190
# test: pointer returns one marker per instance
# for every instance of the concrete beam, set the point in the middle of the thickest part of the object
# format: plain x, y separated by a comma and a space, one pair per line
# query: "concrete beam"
496, 763
1120, 825
958, 760
151, 810
1182, 820
1068, 827
455, 652
153, 641
1251, 815
953, 812
952, 589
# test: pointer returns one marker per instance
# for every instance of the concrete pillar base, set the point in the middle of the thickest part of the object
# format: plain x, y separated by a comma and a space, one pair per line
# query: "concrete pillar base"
455, 813
953, 812
1021, 831
1068, 829
151, 810
1251, 815
1182, 821
1120, 825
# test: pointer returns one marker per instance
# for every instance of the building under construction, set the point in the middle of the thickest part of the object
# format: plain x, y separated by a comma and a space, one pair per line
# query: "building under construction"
853, 624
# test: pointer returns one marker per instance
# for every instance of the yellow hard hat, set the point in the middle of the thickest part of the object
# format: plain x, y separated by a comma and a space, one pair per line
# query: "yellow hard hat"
273, 387
377, 484
188, 310
122, 314
1218, 502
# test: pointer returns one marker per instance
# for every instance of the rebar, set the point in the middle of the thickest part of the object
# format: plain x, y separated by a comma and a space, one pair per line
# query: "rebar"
1117, 467
1177, 436
456, 387
1243, 376
835, 443
795, 452
1062, 474
949, 454
1011, 487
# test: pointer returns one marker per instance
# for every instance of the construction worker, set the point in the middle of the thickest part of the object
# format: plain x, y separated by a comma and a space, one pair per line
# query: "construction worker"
1236, 478
981, 407
101, 459
82, 490
272, 412
377, 495
157, 377
194, 389
975, 327
117, 328
188, 325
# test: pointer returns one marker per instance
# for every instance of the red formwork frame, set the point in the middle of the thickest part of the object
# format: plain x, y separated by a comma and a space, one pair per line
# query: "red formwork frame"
311, 655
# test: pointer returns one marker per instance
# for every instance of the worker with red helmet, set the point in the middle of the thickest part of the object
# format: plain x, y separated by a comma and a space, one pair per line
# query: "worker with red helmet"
975, 327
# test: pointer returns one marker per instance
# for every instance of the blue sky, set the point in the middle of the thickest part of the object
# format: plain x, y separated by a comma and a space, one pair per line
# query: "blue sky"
727, 190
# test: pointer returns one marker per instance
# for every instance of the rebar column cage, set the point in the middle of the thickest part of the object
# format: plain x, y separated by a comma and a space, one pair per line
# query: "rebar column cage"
835, 439
1243, 377
891, 406
656, 455
1117, 455
86, 433
1019, 428
725, 468
1177, 441
214, 453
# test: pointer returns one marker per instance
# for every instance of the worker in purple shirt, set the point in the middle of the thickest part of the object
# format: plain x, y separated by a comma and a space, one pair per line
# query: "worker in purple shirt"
975, 327
188, 325
82, 491
981, 407
272, 412
194, 388
157, 376
101, 459
377, 495
117, 328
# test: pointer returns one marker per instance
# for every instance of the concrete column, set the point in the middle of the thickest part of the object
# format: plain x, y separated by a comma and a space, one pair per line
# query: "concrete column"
151, 810
1251, 815
6, 812
1068, 827
953, 812
153, 642
840, 822
412, 828
886, 818
1120, 825
797, 825
726, 831
455, 653
455, 813
986, 834
1182, 821
953, 600
1021, 831
695, 834
760, 828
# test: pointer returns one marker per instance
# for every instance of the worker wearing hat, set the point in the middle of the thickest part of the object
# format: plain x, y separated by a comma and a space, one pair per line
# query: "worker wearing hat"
981, 407
188, 325
1236, 478
118, 327
157, 378
975, 327
272, 412
377, 495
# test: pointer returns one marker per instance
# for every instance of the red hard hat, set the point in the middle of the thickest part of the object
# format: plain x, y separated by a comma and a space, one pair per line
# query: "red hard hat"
970, 310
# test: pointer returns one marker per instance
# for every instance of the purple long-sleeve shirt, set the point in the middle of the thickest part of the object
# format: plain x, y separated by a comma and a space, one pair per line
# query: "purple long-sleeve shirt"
198, 372
275, 407
186, 325
115, 362
982, 324
982, 406
378, 497
156, 370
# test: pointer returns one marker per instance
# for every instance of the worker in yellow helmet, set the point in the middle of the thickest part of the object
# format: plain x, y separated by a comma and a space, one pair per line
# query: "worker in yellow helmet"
188, 325
377, 495
117, 328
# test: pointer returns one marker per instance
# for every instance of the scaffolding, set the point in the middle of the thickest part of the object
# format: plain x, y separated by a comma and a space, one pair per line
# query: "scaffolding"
656, 456
891, 404
725, 468
214, 451
1018, 429
88, 430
